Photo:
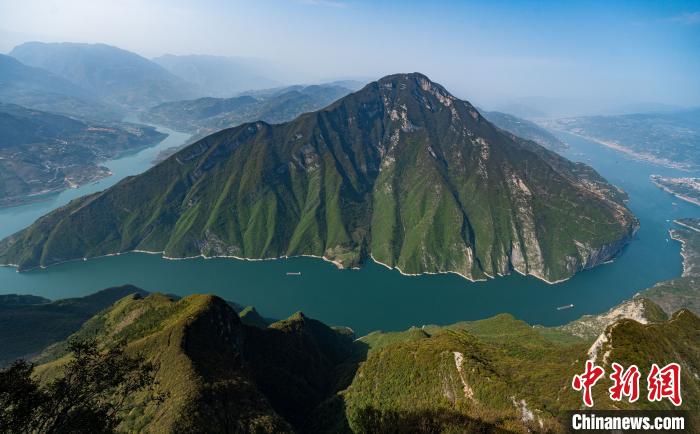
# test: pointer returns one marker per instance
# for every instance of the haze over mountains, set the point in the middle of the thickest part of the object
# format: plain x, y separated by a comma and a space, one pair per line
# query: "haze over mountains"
217, 75
39, 89
525, 129
115, 76
207, 115
90, 75
670, 138
345, 183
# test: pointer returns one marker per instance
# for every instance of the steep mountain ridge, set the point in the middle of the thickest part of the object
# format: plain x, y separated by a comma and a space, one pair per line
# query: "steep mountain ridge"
299, 375
400, 171
216, 372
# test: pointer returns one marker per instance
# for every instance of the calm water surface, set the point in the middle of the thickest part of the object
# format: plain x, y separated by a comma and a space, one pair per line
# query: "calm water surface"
374, 297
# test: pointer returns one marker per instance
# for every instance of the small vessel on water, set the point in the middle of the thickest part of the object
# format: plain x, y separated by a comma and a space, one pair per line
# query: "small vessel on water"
293, 273
566, 306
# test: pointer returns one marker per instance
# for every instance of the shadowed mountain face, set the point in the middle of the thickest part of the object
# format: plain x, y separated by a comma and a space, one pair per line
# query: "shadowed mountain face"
114, 75
219, 374
28, 324
401, 171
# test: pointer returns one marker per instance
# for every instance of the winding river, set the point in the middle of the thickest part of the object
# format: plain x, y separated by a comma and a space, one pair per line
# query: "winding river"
375, 297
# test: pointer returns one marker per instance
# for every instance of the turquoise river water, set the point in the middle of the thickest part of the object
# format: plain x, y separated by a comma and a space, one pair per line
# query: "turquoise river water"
375, 297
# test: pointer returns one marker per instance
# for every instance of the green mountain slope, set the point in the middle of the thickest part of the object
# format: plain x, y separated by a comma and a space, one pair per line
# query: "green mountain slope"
29, 324
505, 374
44, 152
218, 375
494, 375
400, 171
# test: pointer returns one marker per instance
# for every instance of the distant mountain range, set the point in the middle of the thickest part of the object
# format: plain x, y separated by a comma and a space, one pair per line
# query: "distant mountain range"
207, 115
113, 75
541, 108
400, 171
44, 152
97, 85
40, 89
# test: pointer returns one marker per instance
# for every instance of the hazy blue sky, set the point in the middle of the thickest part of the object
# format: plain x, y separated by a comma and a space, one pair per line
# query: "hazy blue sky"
486, 51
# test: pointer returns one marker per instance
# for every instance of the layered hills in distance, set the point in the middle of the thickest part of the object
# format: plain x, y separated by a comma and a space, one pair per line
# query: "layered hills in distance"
670, 139
41, 90
43, 152
115, 76
400, 171
204, 116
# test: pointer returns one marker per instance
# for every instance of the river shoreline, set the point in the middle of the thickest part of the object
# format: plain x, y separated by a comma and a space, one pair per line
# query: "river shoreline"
360, 298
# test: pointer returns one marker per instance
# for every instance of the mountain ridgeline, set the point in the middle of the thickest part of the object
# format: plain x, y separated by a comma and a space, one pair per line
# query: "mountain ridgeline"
218, 374
400, 171
115, 76
204, 116
41, 90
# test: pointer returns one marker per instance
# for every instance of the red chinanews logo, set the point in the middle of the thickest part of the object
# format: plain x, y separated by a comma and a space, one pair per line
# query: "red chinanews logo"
662, 383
